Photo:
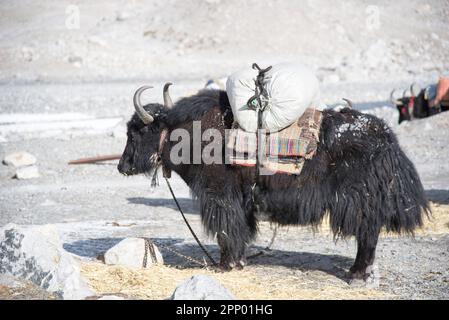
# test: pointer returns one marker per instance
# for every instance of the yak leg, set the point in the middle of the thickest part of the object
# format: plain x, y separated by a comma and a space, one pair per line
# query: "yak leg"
235, 228
364, 268
234, 241
232, 255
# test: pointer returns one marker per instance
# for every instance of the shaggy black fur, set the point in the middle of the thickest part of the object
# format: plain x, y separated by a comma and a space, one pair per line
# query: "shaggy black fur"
359, 176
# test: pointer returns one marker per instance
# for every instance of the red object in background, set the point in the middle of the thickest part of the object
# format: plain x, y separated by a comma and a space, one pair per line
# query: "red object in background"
442, 90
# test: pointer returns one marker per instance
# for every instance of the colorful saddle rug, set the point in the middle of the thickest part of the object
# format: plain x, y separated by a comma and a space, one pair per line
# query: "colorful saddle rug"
284, 151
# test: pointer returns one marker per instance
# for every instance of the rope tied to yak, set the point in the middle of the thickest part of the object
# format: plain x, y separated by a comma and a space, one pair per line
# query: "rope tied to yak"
188, 225
149, 249
258, 102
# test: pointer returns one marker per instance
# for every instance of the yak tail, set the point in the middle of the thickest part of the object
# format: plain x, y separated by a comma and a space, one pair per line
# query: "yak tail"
406, 203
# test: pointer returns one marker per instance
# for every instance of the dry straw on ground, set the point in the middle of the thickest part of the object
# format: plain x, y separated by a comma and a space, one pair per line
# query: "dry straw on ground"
254, 282
160, 281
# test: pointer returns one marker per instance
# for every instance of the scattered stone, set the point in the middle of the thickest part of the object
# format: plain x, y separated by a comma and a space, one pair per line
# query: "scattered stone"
8, 280
110, 297
12, 288
19, 159
48, 203
122, 16
29, 54
201, 287
130, 252
29, 172
35, 253
77, 61
97, 41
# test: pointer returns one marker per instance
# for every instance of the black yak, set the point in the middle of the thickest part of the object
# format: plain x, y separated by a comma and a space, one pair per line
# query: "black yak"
413, 106
359, 176
417, 106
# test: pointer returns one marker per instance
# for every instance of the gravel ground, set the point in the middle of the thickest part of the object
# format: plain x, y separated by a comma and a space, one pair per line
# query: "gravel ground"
92, 72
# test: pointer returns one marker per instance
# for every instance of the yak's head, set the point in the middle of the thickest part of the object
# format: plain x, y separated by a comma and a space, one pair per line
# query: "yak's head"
403, 104
141, 153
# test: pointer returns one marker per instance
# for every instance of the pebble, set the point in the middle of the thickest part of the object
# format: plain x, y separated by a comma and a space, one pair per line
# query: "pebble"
19, 159
29, 172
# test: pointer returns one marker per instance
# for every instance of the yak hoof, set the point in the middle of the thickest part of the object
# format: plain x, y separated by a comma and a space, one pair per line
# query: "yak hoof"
367, 279
228, 266
225, 267
240, 265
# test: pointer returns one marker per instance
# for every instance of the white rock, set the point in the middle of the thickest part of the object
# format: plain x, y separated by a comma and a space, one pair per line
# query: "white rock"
8, 280
97, 40
76, 61
201, 287
29, 172
130, 252
19, 159
29, 54
35, 253
122, 16
110, 297
216, 84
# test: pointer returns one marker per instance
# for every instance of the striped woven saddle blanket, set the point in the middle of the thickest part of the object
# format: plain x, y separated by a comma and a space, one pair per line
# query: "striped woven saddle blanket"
284, 151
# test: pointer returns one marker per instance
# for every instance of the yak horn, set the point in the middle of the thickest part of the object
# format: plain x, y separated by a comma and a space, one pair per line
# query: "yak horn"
412, 90
349, 102
393, 100
141, 112
167, 100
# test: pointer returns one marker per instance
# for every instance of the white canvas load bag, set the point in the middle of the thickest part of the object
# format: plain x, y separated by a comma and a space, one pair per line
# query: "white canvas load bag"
291, 89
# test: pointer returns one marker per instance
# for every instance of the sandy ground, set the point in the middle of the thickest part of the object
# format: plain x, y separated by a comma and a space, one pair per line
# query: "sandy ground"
90, 73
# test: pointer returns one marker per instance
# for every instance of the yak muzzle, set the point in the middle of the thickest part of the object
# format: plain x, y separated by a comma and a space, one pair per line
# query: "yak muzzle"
125, 167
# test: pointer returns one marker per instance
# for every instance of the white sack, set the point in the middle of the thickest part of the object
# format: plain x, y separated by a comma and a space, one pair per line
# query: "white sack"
291, 88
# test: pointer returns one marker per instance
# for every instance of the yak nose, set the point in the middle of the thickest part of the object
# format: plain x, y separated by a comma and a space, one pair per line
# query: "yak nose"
123, 167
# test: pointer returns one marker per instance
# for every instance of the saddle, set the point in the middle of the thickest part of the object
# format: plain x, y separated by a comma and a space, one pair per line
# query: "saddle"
284, 151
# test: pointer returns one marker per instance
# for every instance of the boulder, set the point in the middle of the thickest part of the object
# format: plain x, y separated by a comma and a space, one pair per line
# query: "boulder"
19, 159
35, 253
130, 252
201, 287
12, 288
110, 297
29, 172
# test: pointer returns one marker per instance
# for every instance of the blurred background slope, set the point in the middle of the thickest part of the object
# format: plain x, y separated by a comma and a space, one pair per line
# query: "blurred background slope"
188, 39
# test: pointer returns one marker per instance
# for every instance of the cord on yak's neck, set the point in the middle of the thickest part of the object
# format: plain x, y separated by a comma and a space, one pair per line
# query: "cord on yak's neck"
188, 225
